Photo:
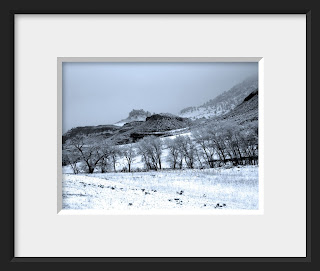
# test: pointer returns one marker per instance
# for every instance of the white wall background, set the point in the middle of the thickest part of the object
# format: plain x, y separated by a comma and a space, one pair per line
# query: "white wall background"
279, 39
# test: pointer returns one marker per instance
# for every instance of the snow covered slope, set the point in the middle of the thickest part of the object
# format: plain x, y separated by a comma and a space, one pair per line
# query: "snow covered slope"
209, 189
223, 103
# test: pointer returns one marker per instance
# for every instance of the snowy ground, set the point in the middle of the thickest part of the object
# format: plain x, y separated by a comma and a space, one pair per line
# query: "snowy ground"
234, 188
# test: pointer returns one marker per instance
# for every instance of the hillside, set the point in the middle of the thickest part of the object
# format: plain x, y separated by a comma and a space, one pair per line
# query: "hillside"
244, 113
247, 111
103, 131
223, 103
134, 115
157, 124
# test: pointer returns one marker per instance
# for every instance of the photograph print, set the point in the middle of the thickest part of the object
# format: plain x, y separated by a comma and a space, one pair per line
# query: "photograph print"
148, 136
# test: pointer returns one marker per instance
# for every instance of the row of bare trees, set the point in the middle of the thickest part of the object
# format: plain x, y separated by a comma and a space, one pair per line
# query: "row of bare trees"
227, 143
85, 155
205, 148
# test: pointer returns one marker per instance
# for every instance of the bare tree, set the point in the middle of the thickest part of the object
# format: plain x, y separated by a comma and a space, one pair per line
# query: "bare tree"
231, 135
144, 152
217, 141
72, 158
105, 151
90, 153
156, 148
187, 149
114, 155
129, 153
203, 139
180, 159
199, 157
173, 157
150, 148
249, 143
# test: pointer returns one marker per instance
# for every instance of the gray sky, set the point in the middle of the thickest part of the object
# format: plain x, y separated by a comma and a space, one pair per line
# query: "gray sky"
104, 93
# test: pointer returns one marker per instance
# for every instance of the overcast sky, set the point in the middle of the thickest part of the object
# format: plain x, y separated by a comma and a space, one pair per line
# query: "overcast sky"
104, 93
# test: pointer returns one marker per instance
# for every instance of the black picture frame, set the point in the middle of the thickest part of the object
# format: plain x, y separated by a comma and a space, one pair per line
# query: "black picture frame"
9, 125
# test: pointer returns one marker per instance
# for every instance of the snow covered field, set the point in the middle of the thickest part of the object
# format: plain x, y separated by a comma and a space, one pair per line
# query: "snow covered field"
233, 188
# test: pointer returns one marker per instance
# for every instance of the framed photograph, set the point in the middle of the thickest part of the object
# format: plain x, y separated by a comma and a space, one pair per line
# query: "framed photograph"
161, 137
155, 158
